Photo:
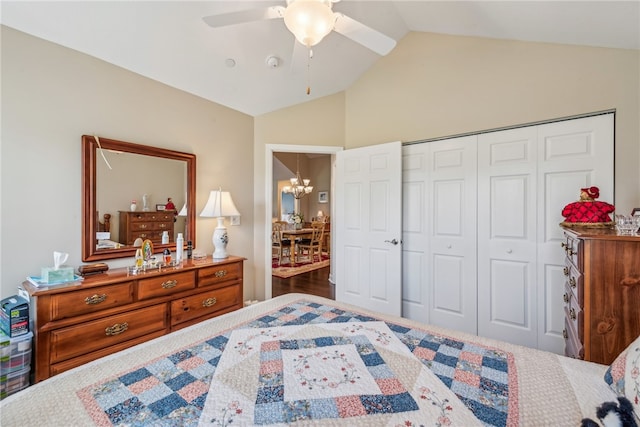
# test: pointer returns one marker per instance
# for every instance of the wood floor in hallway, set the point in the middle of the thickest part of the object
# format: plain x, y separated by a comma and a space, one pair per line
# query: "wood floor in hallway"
314, 282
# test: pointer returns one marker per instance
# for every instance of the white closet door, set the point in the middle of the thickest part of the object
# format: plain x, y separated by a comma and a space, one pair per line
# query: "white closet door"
572, 154
415, 238
368, 221
451, 279
507, 235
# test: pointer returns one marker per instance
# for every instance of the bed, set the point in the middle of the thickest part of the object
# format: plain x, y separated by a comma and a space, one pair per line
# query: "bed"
309, 361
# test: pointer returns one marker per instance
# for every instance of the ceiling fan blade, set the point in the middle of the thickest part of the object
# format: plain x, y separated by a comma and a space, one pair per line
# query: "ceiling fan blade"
366, 36
233, 18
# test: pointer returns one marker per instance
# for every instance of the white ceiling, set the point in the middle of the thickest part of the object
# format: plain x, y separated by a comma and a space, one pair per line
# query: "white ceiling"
168, 41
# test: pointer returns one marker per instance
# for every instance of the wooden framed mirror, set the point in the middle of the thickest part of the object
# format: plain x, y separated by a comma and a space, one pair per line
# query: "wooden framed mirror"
117, 172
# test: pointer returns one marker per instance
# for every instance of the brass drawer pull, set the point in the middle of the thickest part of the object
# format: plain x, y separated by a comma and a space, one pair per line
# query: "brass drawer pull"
572, 314
220, 273
169, 284
565, 297
565, 271
572, 282
565, 334
570, 252
209, 302
116, 329
95, 299
143, 226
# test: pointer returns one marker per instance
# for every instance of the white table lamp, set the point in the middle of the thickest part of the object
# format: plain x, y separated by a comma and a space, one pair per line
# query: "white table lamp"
220, 205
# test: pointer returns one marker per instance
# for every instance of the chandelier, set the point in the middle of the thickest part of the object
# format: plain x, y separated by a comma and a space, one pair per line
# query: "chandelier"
299, 187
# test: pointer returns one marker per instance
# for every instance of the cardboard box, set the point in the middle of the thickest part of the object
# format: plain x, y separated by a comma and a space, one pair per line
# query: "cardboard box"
14, 316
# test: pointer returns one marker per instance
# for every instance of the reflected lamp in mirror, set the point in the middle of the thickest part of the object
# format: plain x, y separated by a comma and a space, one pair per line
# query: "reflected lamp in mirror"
220, 205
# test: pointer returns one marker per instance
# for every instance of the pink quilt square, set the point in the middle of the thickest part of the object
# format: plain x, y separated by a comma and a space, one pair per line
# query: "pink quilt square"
306, 309
288, 317
390, 386
349, 406
467, 377
328, 315
424, 353
191, 363
271, 367
193, 390
270, 346
144, 385
474, 358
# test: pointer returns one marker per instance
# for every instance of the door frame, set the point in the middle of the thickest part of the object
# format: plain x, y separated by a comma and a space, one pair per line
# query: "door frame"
287, 148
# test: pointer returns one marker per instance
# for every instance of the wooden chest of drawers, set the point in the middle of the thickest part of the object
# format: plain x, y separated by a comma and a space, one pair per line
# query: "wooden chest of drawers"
145, 225
602, 293
82, 321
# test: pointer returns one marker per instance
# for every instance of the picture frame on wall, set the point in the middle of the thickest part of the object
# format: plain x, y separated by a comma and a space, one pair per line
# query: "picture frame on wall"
635, 212
323, 197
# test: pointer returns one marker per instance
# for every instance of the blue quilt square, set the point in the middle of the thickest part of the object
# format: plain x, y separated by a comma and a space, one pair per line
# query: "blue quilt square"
270, 394
445, 379
199, 401
398, 328
402, 402
124, 410
273, 379
364, 318
337, 311
180, 356
180, 381
218, 342
167, 405
323, 408
287, 310
269, 413
340, 319
452, 343
494, 387
289, 345
135, 376
376, 404
495, 363
315, 305
296, 410
431, 345
372, 359
486, 414
380, 372
324, 341
446, 360
308, 317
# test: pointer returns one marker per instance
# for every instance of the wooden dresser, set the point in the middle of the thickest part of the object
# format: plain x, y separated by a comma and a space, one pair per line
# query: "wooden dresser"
82, 321
602, 293
146, 225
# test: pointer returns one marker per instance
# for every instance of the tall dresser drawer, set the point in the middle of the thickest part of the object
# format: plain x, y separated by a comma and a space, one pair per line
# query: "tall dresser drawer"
91, 336
575, 316
195, 306
212, 275
573, 346
574, 282
90, 300
572, 249
165, 285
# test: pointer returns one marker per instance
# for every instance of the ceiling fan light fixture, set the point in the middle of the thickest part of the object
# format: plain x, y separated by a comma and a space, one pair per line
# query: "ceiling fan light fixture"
309, 20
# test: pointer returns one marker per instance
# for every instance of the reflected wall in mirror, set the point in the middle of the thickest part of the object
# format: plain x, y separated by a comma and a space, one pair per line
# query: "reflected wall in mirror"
116, 173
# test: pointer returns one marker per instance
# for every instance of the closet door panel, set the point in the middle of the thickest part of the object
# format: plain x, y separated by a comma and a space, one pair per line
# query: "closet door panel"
507, 235
415, 240
452, 281
572, 154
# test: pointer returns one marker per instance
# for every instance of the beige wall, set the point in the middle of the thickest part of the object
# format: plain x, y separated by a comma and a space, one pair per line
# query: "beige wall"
51, 96
437, 85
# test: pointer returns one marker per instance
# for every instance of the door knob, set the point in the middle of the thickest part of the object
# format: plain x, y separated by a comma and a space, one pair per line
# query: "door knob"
393, 242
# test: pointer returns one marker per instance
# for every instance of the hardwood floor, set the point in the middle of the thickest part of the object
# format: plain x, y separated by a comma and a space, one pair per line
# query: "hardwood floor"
314, 282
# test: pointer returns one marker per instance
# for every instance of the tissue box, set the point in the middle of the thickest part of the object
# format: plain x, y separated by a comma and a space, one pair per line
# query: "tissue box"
51, 275
14, 316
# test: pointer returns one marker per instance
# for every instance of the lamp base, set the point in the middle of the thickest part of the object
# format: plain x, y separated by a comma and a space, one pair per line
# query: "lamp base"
220, 240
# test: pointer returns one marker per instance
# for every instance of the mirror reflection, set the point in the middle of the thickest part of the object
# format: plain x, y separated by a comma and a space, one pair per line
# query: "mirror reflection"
134, 193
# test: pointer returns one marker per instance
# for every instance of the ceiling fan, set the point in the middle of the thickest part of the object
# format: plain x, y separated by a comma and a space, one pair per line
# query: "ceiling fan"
310, 21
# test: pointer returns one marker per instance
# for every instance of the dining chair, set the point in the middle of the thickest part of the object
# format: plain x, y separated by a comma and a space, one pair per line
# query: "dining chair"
279, 246
314, 244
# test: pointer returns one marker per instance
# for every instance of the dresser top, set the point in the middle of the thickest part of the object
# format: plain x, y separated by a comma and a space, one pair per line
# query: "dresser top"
118, 275
598, 233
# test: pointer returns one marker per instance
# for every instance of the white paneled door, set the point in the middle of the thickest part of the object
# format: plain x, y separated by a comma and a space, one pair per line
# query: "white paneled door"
368, 226
507, 213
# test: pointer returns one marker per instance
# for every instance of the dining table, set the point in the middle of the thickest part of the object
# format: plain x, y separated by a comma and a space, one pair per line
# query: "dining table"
292, 235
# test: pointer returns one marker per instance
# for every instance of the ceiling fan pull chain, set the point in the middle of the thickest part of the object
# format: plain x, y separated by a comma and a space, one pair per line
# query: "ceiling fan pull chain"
309, 71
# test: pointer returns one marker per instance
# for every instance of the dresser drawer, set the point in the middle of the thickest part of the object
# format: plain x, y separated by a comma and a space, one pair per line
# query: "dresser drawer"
150, 217
205, 303
165, 285
70, 304
91, 336
575, 316
212, 275
574, 282
573, 346
572, 248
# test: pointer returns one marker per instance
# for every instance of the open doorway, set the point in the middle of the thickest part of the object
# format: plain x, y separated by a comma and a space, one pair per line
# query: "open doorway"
269, 192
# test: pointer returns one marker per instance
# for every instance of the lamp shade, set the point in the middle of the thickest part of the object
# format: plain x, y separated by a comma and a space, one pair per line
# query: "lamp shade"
220, 204
183, 211
309, 20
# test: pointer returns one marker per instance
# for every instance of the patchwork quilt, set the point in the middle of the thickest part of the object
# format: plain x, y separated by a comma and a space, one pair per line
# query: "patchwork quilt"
311, 361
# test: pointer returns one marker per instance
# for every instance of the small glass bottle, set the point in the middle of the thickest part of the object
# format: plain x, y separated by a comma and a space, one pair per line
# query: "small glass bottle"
165, 237
134, 205
139, 259
167, 256
189, 249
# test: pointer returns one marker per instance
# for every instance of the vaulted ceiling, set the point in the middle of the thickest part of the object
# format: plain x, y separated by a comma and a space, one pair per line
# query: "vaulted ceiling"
168, 41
